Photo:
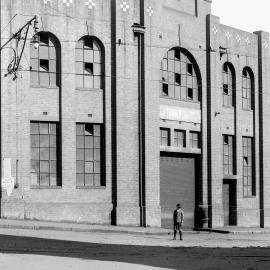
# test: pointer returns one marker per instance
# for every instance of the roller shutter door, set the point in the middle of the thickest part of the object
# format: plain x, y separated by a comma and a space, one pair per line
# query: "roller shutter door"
177, 184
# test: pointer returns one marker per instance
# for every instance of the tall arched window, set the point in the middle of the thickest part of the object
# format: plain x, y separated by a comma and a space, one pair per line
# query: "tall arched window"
180, 76
45, 61
89, 63
228, 84
247, 88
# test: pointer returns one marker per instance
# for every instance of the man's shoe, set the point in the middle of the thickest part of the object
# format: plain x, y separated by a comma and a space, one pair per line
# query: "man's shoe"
174, 238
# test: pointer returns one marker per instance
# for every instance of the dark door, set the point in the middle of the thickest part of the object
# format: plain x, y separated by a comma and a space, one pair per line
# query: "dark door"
177, 185
226, 204
229, 203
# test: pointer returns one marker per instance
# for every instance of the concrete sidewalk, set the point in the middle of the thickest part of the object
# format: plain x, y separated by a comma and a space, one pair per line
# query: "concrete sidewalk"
79, 227
238, 230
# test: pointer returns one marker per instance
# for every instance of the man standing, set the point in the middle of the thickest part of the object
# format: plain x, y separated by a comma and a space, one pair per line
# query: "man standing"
178, 218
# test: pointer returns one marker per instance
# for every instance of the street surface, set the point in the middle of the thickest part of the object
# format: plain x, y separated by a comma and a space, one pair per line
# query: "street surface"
41, 249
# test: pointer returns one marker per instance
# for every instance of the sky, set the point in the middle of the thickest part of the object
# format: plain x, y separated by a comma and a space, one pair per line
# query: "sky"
247, 15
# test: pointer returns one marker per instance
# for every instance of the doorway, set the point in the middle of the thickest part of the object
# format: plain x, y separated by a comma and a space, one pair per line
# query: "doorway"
229, 203
178, 174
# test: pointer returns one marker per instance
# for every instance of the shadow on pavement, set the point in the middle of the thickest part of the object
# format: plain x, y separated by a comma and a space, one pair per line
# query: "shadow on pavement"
165, 257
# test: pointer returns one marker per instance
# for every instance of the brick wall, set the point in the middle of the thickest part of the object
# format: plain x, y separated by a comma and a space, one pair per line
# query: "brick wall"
172, 24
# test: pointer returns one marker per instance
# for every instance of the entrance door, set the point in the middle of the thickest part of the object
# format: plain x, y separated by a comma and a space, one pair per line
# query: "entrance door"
177, 185
229, 203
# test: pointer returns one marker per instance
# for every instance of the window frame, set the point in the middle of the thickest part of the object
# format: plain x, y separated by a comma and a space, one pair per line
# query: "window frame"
90, 55
168, 138
192, 140
228, 154
50, 147
179, 74
249, 179
100, 152
228, 85
180, 138
247, 89
48, 53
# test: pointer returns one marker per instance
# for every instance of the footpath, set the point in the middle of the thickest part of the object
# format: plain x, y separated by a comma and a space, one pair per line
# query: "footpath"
79, 227
227, 237
82, 227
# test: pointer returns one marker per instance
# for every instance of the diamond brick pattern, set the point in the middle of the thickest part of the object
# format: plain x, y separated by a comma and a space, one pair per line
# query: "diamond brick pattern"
124, 6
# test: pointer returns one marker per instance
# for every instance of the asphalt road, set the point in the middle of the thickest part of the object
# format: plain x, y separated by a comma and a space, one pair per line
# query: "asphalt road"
16, 248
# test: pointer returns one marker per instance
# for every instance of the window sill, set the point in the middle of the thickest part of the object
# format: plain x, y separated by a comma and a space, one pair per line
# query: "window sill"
230, 177
183, 100
93, 187
45, 187
89, 89
249, 197
228, 107
44, 86
247, 110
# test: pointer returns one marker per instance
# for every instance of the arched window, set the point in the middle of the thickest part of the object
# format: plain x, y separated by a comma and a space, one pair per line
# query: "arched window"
45, 61
180, 76
247, 88
89, 63
228, 84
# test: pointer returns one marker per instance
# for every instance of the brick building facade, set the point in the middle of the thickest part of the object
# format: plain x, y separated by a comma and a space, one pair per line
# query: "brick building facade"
129, 107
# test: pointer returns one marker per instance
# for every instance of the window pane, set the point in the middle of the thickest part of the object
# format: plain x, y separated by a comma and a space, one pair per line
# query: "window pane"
97, 56
88, 82
44, 153
53, 140
53, 180
97, 180
52, 66
97, 154
34, 140
53, 154
80, 142
53, 167
80, 166
53, 79
43, 52
34, 64
89, 167
97, 82
44, 179
34, 166
97, 167
97, 130
44, 141
80, 180
35, 153
88, 56
80, 154
34, 78
89, 180
89, 154
97, 142
88, 142
44, 167
44, 78
97, 69
52, 52
79, 129
44, 128
89, 130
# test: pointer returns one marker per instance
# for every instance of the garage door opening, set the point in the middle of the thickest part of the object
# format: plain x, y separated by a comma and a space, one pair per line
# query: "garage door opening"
178, 185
